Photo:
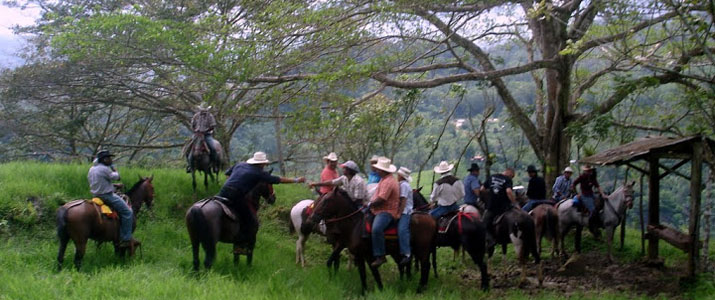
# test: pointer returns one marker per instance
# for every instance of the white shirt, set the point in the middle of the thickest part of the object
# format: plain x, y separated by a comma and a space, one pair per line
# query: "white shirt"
447, 194
355, 187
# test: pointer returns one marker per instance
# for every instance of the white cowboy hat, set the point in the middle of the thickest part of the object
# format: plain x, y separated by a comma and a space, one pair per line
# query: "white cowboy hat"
258, 158
374, 158
384, 163
568, 169
331, 157
443, 167
204, 106
586, 167
405, 173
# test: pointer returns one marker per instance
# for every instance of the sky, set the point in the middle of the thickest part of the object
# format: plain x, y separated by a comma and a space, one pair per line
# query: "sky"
9, 42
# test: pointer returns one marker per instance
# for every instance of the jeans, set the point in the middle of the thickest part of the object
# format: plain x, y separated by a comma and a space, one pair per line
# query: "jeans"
533, 203
126, 219
403, 233
379, 224
247, 220
442, 210
587, 202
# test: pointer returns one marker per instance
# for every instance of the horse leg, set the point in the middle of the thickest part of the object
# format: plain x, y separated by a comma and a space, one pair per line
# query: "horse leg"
80, 248
206, 180
609, 239
376, 275
476, 247
299, 244
195, 253
193, 179
577, 238
236, 256
210, 250
360, 262
434, 260
424, 272
61, 253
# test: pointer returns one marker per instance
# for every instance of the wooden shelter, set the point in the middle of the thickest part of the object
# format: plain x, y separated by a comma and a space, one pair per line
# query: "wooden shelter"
692, 149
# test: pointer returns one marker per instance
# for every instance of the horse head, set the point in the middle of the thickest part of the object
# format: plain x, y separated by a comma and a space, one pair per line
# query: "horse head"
419, 201
142, 192
262, 190
333, 204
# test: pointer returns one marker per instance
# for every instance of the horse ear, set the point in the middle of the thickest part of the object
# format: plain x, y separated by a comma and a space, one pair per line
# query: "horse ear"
419, 189
151, 178
633, 183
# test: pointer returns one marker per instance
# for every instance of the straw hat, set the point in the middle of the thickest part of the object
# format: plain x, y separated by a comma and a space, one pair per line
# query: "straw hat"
405, 173
568, 169
204, 106
443, 167
586, 167
384, 164
258, 158
331, 157
350, 165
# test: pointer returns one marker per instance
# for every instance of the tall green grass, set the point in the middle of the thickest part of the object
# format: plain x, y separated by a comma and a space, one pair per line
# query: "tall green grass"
28, 249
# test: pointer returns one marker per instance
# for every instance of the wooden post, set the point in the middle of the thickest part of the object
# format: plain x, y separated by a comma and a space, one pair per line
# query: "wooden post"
640, 208
695, 191
706, 221
653, 205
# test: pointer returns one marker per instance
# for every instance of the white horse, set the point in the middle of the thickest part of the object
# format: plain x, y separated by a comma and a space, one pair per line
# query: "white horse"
614, 210
296, 217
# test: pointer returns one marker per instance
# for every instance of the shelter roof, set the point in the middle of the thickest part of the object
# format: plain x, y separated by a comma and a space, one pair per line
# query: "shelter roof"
661, 146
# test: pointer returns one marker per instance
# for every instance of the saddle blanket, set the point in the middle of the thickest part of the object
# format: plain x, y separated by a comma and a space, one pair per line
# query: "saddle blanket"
105, 209
446, 220
390, 231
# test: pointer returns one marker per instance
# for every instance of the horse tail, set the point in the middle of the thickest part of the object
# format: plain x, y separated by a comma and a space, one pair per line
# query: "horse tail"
201, 229
62, 233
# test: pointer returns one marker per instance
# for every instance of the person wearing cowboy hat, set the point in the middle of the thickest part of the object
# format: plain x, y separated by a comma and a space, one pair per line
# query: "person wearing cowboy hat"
204, 122
242, 178
501, 199
586, 198
373, 176
536, 191
385, 205
329, 173
406, 204
446, 191
100, 177
562, 186
350, 181
472, 186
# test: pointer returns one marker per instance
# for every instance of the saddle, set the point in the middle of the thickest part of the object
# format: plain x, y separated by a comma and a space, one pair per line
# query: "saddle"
390, 231
221, 201
104, 209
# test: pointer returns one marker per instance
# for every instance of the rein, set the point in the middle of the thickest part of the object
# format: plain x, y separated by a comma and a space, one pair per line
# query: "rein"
333, 220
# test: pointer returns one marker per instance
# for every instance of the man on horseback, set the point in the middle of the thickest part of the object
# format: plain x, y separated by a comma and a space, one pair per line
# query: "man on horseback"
243, 177
203, 122
385, 206
100, 177
586, 198
406, 204
351, 182
501, 200
446, 191
373, 176
329, 172
472, 186
536, 191
562, 186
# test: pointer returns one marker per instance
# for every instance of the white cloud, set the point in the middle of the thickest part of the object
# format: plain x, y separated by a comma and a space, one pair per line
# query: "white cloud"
11, 16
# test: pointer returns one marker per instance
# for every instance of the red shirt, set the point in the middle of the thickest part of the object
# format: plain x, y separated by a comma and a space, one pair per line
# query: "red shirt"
327, 175
587, 182
387, 189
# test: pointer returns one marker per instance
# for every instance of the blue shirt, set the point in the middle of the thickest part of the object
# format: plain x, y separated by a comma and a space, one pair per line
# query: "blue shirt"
561, 187
471, 183
406, 192
243, 177
373, 177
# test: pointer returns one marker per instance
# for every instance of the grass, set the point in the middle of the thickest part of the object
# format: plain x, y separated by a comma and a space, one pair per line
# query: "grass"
28, 249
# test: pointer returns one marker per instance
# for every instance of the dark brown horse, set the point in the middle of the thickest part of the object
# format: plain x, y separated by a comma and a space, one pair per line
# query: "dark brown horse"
546, 222
348, 223
210, 222
200, 159
81, 220
465, 231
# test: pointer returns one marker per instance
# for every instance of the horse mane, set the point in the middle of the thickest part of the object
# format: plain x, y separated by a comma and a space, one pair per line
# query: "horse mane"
343, 193
136, 186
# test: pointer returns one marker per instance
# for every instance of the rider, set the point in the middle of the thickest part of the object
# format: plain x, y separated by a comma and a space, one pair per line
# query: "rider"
446, 191
373, 176
203, 121
243, 177
351, 181
406, 204
562, 186
501, 200
472, 186
536, 192
100, 178
587, 180
385, 206
329, 172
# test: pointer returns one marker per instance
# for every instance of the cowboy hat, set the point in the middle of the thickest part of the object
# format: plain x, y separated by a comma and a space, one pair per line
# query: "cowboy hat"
384, 164
204, 106
531, 169
586, 167
331, 157
474, 167
350, 165
103, 153
568, 169
405, 173
258, 159
443, 167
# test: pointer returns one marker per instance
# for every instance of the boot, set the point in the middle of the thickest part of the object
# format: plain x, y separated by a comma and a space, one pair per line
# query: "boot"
405, 260
378, 261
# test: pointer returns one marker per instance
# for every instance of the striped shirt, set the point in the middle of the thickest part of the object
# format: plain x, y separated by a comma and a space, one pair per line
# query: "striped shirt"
561, 187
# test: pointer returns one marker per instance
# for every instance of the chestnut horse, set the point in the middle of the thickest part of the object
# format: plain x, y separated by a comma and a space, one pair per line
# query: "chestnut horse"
208, 223
200, 159
81, 220
348, 224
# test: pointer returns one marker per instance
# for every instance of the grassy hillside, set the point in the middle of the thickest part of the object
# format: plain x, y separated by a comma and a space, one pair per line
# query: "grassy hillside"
28, 250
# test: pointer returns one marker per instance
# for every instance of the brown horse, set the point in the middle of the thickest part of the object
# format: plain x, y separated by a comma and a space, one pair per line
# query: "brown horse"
81, 220
348, 224
200, 159
209, 222
546, 221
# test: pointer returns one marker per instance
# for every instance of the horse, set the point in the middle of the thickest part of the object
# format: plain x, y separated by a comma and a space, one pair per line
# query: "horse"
200, 159
80, 220
466, 231
546, 221
209, 221
340, 215
614, 211
298, 215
